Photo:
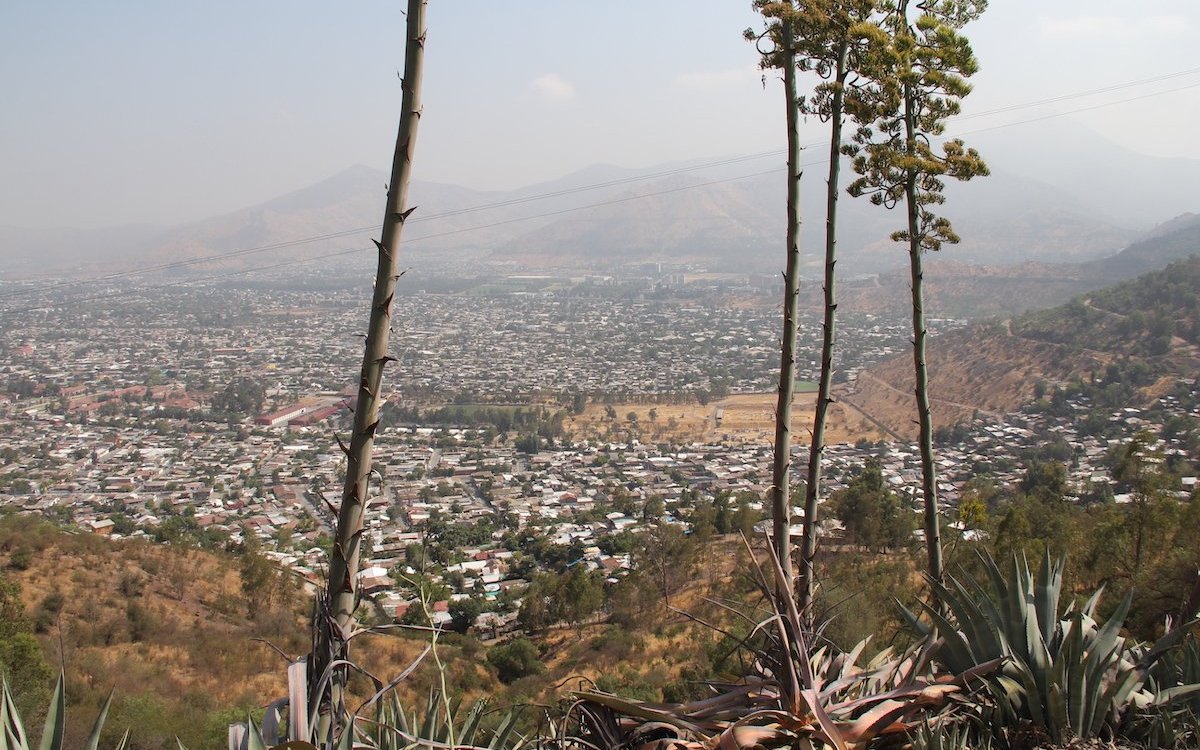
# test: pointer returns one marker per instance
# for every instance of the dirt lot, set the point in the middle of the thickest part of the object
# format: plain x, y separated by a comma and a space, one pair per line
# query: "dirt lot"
744, 418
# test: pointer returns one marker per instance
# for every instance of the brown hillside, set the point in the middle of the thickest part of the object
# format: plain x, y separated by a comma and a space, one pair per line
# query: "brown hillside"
166, 629
982, 368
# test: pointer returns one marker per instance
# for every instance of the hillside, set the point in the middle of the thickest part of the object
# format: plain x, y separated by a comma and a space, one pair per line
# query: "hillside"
996, 367
167, 629
960, 289
725, 214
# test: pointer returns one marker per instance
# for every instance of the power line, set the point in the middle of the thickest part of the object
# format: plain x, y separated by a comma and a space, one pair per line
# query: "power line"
359, 230
1081, 94
567, 191
200, 260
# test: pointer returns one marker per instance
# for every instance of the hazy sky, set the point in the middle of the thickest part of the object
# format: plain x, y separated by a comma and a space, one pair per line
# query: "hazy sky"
164, 111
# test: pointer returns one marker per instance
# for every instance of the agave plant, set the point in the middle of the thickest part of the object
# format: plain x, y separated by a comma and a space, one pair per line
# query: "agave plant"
12, 729
794, 696
1178, 725
380, 723
1063, 670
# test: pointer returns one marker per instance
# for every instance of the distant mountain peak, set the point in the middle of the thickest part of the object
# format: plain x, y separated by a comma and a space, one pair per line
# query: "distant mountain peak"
1180, 223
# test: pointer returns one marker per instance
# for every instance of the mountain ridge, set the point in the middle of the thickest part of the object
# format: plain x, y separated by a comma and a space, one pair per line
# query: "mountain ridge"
604, 215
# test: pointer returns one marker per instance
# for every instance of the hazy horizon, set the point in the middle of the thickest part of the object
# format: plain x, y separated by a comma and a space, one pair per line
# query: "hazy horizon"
149, 114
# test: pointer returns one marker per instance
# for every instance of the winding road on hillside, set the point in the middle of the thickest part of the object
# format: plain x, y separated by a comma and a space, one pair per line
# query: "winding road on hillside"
932, 399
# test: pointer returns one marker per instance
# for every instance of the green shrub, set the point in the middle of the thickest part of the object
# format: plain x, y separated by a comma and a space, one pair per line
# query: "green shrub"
516, 659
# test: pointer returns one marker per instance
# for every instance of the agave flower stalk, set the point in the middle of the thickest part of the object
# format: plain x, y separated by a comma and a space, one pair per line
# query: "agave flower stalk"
342, 590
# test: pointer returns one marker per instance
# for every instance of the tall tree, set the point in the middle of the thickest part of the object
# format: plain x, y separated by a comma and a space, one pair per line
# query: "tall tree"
331, 627
781, 54
919, 86
834, 39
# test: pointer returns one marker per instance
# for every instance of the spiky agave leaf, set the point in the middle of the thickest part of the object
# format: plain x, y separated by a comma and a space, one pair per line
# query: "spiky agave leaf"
93, 740
1065, 672
56, 717
14, 730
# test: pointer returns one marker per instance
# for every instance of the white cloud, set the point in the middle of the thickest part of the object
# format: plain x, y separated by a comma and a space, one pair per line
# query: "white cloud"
710, 80
1098, 27
553, 87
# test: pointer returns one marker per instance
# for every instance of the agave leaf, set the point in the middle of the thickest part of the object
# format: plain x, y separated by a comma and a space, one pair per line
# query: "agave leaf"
297, 677
977, 627
1009, 696
270, 725
1018, 606
999, 585
178, 741
830, 729
1113, 696
14, 731
637, 710
976, 593
708, 706
504, 731
254, 738
957, 651
884, 717
850, 663
235, 736
740, 737
1179, 692
466, 736
1046, 595
914, 621
432, 715
1089, 609
1037, 653
93, 740
52, 734
125, 742
401, 716
1056, 712
1033, 699
1168, 642
322, 685
1103, 655
1080, 692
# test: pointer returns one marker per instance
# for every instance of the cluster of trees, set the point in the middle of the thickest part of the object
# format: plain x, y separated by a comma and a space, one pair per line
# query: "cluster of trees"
1149, 545
243, 396
21, 658
1136, 318
536, 419
20, 386
265, 586
873, 515
571, 596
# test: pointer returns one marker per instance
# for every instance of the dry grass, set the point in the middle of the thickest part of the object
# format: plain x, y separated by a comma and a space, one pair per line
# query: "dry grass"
745, 418
166, 629
975, 369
